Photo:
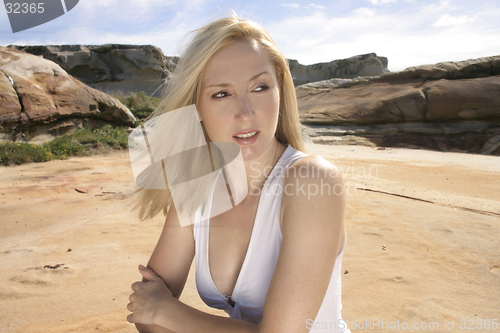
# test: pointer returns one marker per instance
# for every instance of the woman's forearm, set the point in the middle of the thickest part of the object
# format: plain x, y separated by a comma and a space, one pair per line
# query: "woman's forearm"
181, 317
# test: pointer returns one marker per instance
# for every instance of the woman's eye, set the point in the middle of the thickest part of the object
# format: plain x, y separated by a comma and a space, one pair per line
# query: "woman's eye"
220, 94
261, 88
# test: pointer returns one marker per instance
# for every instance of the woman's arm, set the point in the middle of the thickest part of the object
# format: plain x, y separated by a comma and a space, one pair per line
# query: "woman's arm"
171, 260
313, 236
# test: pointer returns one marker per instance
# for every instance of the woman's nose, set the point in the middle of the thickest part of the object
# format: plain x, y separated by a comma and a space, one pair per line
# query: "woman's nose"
244, 108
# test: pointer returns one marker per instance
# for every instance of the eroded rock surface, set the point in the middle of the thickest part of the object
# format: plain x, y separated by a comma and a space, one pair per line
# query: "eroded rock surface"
447, 106
357, 66
134, 68
109, 67
39, 98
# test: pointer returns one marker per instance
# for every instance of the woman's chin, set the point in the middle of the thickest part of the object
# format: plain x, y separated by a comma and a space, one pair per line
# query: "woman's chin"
248, 154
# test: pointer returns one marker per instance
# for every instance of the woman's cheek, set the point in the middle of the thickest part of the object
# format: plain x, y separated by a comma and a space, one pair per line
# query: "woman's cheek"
269, 101
216, 127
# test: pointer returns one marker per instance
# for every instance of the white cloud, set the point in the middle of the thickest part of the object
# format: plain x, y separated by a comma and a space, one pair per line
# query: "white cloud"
436, 8
406, 38
291, 5
296, 6
312, 5
447, 20
381, 2
157, 22
405, 33
363, 13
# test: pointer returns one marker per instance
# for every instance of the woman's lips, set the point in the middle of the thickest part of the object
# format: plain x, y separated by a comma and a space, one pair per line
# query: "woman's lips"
247, 131
249, 140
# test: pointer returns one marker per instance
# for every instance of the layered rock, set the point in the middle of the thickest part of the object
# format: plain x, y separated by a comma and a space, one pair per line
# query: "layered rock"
447, 106
134, 68
452, 70
357, 66
38, 98
109, 67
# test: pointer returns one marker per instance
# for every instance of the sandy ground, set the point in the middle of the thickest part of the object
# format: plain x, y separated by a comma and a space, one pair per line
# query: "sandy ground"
423, 242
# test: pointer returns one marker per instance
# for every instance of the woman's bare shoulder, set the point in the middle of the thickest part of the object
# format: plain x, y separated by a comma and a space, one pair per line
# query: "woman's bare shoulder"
313, 189
313, 167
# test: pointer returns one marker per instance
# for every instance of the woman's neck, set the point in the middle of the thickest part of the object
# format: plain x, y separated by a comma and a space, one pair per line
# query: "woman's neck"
257, 170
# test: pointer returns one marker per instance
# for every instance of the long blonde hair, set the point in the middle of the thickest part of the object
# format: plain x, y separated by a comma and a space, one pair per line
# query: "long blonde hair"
184, 85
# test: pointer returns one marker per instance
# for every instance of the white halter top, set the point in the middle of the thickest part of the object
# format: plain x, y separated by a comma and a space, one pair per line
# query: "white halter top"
249, 293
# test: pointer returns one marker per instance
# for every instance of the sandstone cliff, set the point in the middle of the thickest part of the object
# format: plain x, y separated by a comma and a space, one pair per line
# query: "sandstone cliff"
109, 67
361, 65
39, 99
134, 68
447, 106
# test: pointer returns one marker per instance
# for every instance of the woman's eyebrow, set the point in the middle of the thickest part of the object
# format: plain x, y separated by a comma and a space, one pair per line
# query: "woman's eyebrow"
256, 76
227, 84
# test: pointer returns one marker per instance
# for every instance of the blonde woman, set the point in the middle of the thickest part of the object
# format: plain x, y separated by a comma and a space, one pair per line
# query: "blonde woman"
273, 261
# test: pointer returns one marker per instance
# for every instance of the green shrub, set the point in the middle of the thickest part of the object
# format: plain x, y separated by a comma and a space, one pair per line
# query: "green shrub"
65, 146
106, 136
83, 142
140, 104
19, 153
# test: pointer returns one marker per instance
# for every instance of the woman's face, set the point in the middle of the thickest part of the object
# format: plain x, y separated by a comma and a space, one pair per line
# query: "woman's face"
239, 98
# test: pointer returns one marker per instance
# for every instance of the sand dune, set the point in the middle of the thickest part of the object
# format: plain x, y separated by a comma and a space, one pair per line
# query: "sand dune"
68, 257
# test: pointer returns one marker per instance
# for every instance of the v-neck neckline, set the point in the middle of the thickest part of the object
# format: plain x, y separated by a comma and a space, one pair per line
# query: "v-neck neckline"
250, 243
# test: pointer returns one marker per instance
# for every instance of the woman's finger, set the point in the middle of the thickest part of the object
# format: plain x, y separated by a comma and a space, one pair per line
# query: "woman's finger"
130, 318
148, 273
135, 285
129, 307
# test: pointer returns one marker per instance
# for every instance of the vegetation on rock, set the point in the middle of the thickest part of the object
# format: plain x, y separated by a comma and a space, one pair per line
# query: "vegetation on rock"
140, 104
83, 142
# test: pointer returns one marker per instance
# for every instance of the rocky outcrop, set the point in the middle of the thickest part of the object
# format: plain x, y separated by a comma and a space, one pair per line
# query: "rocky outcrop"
38, 99
9, 100
375, 102
134, 68
109, 67
357, 66
468, 69
453, 105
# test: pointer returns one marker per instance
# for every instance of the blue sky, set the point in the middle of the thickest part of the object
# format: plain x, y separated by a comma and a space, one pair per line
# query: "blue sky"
408, 32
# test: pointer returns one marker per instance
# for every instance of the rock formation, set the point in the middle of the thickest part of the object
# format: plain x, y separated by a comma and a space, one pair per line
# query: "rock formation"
109, 67
447, 106
38, 99
134, 68
361, 65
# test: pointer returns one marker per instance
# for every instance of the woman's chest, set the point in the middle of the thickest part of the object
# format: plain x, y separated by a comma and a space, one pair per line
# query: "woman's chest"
229, 236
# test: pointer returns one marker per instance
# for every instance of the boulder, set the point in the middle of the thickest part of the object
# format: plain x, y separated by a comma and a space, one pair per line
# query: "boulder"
361, 65
9, 101
44, 99
375, 102
477, 98
368, 103
420, 98
109, 67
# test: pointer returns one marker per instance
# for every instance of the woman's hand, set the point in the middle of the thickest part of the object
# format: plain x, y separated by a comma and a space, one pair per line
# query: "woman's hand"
149, 299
